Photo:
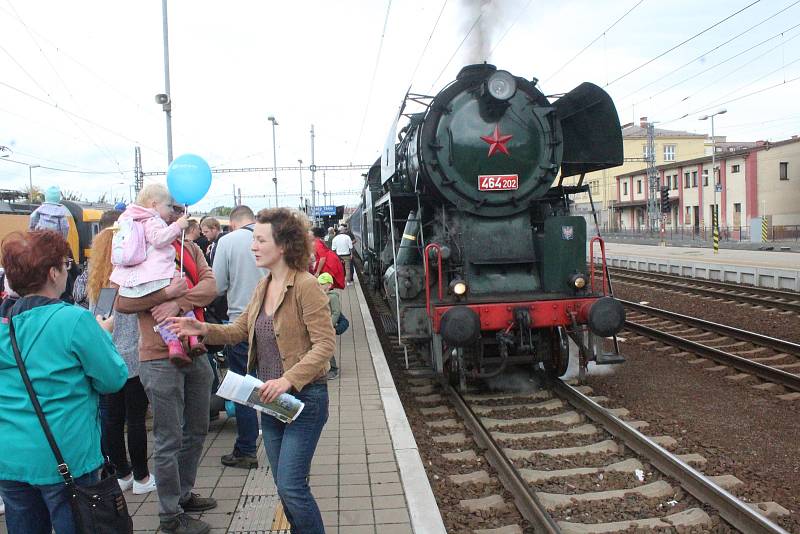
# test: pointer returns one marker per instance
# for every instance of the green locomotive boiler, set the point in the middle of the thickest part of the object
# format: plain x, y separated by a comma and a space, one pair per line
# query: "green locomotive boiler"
465, 225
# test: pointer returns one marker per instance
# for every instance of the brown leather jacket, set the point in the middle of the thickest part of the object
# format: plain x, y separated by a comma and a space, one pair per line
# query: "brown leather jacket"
303, 328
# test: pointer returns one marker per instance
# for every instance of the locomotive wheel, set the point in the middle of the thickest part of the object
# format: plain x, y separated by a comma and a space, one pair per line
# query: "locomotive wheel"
456, 374
558, 347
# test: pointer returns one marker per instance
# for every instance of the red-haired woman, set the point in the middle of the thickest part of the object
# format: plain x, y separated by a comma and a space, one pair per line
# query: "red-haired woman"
288, 326
70, 360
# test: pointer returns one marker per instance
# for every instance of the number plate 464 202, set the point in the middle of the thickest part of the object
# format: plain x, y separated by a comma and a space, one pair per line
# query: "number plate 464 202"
498, 182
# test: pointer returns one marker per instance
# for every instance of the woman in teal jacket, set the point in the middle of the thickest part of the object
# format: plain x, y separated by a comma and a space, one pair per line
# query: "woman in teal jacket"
70, 360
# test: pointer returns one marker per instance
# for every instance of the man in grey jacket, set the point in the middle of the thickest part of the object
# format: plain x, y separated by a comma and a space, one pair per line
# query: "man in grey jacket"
237, 276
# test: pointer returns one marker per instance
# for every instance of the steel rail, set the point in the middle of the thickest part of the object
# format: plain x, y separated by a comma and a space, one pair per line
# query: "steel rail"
753, 299
525, 499
779, 293
730, 508
744, 365
779, 345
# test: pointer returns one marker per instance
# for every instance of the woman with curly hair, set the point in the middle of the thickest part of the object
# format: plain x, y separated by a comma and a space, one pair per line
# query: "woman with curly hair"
129, 405
288, 326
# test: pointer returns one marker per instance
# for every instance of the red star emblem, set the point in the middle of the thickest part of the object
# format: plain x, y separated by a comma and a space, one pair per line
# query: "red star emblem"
497, 141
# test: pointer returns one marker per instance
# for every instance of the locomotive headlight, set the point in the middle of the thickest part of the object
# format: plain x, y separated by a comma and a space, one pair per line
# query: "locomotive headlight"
458, 287
578, 280
501, 85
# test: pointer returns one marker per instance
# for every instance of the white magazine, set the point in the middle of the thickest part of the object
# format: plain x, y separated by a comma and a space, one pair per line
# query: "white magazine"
246, 390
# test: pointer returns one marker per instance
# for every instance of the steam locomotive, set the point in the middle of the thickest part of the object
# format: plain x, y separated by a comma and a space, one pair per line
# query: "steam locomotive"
465, 225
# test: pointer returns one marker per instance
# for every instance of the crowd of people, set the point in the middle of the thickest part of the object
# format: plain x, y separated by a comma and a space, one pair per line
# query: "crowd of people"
264, 292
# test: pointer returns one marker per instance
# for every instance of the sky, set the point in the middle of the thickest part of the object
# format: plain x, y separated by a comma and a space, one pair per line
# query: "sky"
78, 79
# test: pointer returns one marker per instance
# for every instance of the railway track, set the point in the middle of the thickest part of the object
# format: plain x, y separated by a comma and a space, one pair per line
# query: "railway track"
786, 301
770, 359
625, 470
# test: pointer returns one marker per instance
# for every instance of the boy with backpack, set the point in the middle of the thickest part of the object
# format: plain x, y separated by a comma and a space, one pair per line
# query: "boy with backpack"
51, 215
340, 322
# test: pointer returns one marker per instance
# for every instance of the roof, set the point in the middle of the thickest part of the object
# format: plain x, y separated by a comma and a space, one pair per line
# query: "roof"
632, 130
759, 145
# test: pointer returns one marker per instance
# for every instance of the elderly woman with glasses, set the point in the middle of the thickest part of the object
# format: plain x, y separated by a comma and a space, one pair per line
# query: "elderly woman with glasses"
71, 360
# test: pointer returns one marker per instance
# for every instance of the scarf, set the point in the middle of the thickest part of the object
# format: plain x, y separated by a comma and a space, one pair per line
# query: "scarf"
189, 269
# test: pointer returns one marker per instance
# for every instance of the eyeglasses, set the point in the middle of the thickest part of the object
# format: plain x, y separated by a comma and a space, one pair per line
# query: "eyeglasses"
68, 263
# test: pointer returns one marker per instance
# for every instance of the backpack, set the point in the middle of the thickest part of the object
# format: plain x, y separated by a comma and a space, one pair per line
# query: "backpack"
341, 325
128, 247
334, 267
51, 221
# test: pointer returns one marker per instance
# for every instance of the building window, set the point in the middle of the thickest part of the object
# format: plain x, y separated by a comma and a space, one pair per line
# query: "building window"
734, 168
784, 170
625, 189
717, 176
669, 152
686, 183
638, 186
687, 219
645, 152
694, 178
705, 177
595, 187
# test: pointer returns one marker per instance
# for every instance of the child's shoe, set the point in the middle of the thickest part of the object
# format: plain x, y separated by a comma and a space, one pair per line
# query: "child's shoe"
177, 355
196, 347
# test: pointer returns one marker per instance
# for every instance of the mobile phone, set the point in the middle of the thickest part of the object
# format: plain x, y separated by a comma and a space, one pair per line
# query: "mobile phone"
105, 302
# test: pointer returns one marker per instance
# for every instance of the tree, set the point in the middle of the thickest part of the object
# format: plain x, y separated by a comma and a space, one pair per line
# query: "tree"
221, 211
71, 195
38, 194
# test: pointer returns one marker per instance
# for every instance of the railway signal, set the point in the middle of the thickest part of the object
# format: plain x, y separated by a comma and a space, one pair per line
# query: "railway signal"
664, 199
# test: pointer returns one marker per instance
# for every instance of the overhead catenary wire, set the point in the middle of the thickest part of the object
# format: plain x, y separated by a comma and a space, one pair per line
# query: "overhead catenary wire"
75, 171
511, 26
77, 116
593, 41
675, 47
711, 106
372, 81
724, 76
704, 54
102, 147
428, 42
60, 50
469, 32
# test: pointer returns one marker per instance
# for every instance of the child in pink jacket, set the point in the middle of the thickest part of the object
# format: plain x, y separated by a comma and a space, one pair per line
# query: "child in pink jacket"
153, 205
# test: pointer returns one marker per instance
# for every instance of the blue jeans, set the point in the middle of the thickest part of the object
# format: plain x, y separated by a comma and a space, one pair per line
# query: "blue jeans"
290, 448
246, 418
40, 509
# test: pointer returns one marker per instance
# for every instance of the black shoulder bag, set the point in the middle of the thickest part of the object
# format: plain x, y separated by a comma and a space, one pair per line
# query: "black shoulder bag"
96, 509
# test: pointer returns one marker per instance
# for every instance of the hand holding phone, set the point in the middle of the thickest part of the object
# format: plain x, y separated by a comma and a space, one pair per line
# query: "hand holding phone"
105, 302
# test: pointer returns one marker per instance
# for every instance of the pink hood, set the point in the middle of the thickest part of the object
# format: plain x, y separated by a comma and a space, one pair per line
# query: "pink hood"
139, 213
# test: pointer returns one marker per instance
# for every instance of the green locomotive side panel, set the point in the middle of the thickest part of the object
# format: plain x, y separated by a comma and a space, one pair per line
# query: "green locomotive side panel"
500, 255
564, 252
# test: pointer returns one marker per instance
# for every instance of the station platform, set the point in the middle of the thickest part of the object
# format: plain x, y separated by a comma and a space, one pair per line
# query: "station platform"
778, 270
367, 475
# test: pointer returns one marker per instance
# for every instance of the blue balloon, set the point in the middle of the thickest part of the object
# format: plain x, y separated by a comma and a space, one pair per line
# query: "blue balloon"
188, 178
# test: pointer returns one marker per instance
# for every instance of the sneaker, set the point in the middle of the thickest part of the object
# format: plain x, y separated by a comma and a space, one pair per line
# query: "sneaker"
140, 488
177, 355
185, 524
125, 483
196, 503
333, 374
239, 460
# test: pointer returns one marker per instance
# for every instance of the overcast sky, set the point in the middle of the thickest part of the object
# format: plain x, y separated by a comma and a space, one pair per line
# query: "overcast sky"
78, 79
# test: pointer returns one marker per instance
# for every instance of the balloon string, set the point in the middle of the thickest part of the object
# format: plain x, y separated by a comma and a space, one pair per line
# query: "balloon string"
183, 238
